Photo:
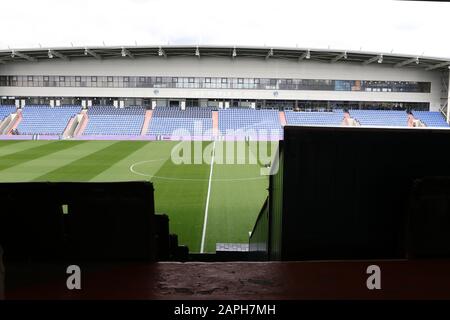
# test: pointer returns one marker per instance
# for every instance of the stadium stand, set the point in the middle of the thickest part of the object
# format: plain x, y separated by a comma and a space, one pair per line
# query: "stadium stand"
365, 118
43, 119
6, 110
232, 120
314, 118
431, 118
109, 120
380, 117
165, 121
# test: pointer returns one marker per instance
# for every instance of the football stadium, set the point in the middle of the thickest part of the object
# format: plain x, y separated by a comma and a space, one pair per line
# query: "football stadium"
237, 154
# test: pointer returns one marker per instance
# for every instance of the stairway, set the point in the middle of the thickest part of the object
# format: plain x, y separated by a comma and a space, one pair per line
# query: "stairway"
146, 124
282, 118
5, 123
215, 120
11, 122
83, 121
70, 128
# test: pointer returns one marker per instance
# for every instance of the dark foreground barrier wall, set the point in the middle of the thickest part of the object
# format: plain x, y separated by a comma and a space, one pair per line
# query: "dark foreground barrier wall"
348, 193
78, 221
429, 219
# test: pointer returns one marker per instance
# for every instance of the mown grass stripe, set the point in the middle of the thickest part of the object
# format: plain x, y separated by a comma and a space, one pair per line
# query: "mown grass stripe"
29, 170
146, 161
16, 158
183, 201
10, 142
234, 205
86, 168
9, 148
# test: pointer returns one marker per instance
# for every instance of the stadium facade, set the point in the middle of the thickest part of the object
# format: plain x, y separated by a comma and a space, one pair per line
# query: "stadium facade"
221, 77
228, 76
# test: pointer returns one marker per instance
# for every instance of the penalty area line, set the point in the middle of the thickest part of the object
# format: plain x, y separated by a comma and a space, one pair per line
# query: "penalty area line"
205, 222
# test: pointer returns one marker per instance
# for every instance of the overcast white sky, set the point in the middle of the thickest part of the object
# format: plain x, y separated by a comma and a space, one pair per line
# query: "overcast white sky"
373, 25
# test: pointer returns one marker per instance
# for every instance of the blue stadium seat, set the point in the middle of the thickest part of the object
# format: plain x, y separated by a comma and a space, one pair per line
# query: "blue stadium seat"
431, 118
43, 119
193, 121
267, 121
109, 120
6, 110
365, 118
380, 117
314, 118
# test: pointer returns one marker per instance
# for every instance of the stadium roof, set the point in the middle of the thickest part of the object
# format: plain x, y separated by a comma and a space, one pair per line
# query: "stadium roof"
299, 54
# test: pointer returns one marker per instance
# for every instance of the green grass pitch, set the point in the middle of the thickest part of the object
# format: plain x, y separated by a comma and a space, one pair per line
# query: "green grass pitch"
237, 189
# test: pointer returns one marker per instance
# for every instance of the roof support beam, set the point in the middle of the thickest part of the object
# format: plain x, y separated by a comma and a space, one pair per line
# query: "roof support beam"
405, 62
439, 65
269, 53
22, 55
126, 53
92, 53
339, 57
52, 53
378, 58
305, 55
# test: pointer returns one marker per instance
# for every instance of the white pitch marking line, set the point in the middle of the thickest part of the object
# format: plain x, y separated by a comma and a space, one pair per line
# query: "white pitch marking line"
141, 162
202, 247
133, 170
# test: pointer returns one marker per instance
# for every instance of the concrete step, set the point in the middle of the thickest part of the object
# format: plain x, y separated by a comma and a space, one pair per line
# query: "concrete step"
215, 120
146, 124
282, 117
82, 126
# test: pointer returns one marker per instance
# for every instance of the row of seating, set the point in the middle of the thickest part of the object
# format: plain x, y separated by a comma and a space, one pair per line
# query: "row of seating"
195, 112
6, 110
380, 117
43, 119
173, 121
109, 120
431, 118
231, 121
365, 118
314, 118
111, 110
